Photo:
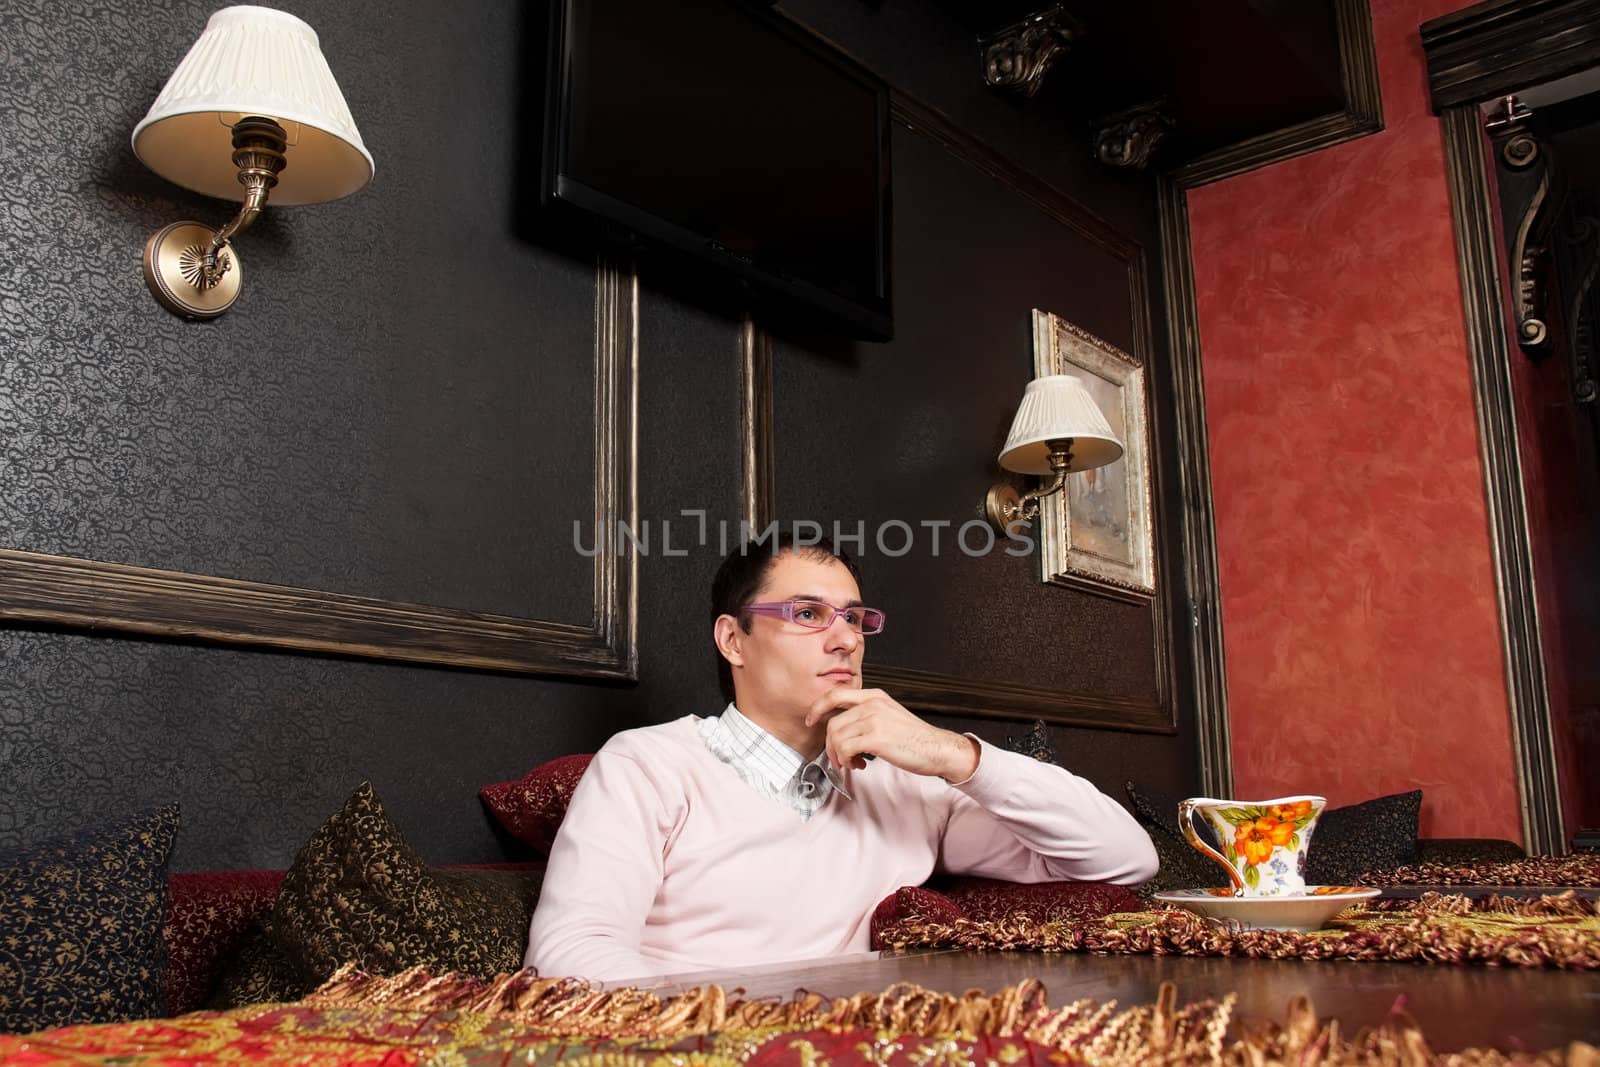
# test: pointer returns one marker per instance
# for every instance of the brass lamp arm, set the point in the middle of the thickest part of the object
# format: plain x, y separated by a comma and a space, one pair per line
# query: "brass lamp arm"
1028, 506
190, 268
255, 198
1005, 507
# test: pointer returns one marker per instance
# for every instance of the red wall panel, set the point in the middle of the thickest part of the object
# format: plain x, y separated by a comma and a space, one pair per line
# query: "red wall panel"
1358, 601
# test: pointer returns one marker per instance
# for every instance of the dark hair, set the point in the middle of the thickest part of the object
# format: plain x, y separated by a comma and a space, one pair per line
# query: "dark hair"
743, 572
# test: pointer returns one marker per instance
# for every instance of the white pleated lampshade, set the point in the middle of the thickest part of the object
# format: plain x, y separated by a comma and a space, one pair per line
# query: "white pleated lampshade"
254, 61
1055, 407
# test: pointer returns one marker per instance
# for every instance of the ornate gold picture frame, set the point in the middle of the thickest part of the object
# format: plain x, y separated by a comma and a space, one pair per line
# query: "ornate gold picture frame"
1097, 534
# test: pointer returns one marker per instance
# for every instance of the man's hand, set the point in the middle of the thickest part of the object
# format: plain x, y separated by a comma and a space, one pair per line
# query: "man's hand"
870, 720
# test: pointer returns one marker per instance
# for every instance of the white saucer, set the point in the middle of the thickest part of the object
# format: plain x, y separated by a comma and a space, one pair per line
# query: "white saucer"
1310, 910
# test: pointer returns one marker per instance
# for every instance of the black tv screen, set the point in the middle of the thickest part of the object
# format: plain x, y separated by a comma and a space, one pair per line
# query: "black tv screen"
720, 129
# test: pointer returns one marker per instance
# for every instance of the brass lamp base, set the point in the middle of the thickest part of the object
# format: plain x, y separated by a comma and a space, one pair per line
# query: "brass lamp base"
1004, 506
174, 269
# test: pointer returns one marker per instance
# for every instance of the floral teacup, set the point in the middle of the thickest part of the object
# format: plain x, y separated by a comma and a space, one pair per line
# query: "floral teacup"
1264, 842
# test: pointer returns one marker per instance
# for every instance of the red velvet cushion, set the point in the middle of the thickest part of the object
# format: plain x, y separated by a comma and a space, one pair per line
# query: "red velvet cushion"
909, 904
207, 916
988, 900
531, 808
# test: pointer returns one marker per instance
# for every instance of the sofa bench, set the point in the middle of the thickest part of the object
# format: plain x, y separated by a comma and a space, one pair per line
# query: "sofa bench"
211, 916
358, 893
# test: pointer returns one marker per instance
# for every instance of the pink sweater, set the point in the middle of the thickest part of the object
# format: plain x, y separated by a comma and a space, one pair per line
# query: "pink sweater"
668, 862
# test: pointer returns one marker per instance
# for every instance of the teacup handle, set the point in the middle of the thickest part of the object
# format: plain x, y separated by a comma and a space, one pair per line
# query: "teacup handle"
1186, 809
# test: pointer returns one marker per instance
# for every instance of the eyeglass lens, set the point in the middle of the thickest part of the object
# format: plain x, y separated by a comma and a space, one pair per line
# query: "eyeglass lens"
818, 616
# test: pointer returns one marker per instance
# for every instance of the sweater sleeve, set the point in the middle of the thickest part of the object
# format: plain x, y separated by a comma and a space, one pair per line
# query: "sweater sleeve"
1026, 821
605, 868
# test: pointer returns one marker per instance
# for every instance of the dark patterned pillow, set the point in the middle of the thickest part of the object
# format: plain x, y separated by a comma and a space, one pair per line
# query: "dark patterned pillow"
260, 972
80, 925
1181, 866
531, 808
358, 893
1375, 835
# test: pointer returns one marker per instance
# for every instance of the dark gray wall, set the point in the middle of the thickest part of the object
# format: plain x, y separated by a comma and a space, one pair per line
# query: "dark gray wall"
399, 406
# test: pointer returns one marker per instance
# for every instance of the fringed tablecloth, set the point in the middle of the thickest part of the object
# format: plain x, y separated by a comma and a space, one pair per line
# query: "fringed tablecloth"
1554, 931
1578, 871
415, 1019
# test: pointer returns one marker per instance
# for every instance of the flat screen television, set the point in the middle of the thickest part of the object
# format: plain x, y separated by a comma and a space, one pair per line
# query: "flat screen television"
721, 130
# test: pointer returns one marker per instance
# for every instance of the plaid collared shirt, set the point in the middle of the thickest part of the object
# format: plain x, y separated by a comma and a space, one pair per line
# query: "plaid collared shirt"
766, 764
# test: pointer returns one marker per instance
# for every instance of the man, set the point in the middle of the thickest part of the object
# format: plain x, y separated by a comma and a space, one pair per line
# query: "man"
719, 842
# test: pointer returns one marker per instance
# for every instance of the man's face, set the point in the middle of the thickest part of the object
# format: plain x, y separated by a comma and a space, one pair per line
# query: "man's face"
781, 667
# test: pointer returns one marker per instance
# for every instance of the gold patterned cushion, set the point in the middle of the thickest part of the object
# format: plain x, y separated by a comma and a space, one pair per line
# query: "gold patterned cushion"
258, 973
358, 893
80, 925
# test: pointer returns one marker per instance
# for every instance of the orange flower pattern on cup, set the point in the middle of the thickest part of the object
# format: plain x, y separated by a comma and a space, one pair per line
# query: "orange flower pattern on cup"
1290, 812
1256, 838
1263, 842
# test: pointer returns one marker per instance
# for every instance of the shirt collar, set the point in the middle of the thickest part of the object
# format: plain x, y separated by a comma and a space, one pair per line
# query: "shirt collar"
763, 755
778, 766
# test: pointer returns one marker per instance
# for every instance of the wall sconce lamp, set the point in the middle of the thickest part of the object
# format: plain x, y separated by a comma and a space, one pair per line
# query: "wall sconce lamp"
252, 110
1058, 429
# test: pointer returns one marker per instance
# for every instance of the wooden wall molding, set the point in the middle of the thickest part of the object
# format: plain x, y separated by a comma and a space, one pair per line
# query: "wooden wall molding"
1362, 113
115, 598
936, 691
1209, 676
758, 479
1475, 55
1533, 743
1499, 47
933, 124
932, 690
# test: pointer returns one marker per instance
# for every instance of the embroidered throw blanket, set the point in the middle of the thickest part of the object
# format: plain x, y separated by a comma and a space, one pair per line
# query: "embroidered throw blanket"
413, 1019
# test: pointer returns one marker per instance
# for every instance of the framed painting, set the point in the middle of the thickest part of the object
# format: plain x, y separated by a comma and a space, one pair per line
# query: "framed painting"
1096, 535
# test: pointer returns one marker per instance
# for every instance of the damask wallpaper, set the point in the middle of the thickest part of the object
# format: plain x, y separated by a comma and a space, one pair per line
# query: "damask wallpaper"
399, 406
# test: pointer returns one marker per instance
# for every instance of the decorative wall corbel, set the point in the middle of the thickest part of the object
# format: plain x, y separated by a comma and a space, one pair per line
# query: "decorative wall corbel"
1524, 180
1019, 56
1129, 138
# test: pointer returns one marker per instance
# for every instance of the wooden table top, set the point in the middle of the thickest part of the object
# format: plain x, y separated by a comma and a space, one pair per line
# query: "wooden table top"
1457, 1007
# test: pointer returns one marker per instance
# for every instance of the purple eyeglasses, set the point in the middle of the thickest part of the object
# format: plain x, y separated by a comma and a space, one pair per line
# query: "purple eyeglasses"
815, 615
